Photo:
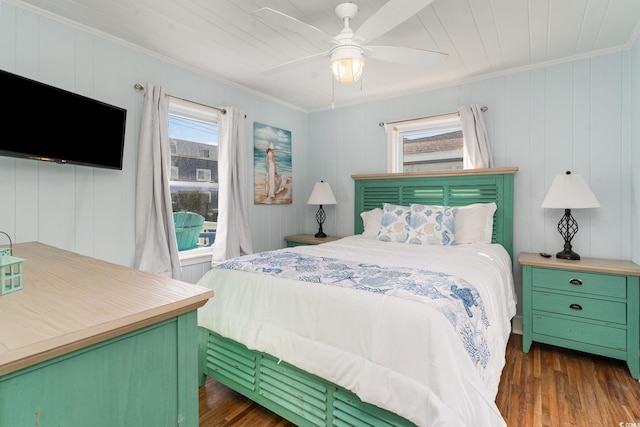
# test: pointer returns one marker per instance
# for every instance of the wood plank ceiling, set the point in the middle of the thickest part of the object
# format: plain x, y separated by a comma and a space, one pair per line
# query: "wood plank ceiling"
223, 39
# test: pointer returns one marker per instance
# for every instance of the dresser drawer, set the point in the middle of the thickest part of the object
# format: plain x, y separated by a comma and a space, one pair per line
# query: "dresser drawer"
579, 331
579, 281
582, 307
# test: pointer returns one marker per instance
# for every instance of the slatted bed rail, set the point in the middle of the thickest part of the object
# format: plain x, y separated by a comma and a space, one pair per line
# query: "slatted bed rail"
300, 397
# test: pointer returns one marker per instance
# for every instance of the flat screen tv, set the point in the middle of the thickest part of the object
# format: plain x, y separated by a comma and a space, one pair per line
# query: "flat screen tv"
55, 125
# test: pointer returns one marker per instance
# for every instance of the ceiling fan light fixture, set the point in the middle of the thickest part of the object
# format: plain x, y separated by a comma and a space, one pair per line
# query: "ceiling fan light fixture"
347, 63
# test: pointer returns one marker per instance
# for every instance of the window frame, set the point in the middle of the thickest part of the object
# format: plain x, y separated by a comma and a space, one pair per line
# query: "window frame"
193, 111
206, 175
397, 130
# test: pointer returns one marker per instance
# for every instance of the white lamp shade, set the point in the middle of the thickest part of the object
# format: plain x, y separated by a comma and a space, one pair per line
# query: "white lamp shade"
569, 191
321, 195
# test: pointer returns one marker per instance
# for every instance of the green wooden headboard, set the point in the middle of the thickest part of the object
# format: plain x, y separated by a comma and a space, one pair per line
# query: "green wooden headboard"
443, 188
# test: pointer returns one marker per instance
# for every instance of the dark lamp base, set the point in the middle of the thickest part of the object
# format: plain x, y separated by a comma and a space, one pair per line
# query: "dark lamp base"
320, 217
568, 254
567, 227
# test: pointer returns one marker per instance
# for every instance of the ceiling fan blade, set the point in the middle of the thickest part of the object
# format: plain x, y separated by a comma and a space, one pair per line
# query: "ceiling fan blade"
274, 18
389, 16
407, 56
294, 64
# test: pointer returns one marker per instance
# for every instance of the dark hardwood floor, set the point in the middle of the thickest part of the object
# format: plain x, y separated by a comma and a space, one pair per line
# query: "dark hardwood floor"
551, 386
548, 386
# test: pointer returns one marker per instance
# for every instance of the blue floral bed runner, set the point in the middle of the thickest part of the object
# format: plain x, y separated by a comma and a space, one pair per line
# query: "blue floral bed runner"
457, 299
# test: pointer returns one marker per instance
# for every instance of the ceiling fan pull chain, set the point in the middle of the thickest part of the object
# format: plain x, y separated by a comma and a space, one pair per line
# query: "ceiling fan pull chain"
333, 93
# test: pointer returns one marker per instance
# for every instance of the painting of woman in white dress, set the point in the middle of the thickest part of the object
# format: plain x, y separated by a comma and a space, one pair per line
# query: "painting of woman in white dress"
272, 165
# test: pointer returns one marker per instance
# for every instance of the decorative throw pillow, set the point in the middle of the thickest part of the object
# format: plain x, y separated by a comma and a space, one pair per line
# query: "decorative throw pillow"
474, 223
431, 225
372, 220
394, 224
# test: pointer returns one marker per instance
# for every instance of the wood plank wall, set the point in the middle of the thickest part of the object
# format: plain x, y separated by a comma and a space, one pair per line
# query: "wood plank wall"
579, 115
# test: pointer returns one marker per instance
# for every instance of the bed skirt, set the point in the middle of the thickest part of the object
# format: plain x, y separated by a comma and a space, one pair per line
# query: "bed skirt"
300, 397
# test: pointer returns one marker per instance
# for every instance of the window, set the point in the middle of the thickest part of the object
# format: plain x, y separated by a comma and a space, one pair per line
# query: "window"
432, 143
203, 175
193, 135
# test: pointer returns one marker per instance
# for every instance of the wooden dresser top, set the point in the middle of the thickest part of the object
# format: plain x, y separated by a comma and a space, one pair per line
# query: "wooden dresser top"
612, 266
70, 301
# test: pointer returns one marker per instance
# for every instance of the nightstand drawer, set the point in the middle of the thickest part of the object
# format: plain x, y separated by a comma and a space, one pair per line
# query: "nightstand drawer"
580, 281
579, 331
586, 308
308, 239
294, 244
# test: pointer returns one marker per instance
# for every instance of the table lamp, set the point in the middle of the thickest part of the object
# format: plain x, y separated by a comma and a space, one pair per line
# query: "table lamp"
568, 192
321, 195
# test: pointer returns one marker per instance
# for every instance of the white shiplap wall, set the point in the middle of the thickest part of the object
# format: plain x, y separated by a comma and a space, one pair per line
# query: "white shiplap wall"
634, 113
579, 115
91, 211
573, 116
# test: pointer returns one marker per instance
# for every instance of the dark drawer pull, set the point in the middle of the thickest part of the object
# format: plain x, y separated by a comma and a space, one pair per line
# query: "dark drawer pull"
575, 307
576, 282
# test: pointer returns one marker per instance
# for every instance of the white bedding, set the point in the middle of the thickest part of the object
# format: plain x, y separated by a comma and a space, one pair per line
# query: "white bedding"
396, 353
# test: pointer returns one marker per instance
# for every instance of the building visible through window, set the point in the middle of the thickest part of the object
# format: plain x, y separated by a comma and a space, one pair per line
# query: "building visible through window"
432, 150
431, 143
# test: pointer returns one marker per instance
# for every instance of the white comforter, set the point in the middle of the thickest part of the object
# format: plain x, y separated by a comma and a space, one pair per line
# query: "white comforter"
393, 352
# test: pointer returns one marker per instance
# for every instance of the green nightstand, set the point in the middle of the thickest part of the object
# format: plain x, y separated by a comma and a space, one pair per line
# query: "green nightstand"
590, 305
307, 239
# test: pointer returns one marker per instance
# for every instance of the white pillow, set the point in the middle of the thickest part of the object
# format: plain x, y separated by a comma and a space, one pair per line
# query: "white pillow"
372, 220
394, 226
474, 223
431, 225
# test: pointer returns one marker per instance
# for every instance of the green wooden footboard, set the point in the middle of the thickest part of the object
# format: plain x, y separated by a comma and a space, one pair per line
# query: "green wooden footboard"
304, 399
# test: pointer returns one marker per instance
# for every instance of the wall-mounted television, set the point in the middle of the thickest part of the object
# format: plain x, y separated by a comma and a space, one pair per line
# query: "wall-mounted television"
55, 125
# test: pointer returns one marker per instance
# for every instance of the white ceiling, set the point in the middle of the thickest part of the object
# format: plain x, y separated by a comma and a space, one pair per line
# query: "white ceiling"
222, 38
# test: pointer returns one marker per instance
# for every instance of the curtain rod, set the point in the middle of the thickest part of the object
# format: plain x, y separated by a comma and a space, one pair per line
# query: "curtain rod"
484, 108
138, 86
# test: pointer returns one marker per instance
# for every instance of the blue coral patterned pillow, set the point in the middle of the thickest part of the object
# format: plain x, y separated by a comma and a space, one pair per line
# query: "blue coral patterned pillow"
431, 225
394, 226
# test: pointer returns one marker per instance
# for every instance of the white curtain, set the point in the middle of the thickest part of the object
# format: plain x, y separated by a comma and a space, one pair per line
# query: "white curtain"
233, 237
394, 148
156, 246
476, 149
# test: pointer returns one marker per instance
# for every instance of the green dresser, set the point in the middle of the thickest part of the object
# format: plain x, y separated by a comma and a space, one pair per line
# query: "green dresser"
90, 343
590, 305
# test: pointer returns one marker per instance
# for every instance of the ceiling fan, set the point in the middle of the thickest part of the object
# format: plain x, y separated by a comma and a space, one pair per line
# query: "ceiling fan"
350, 48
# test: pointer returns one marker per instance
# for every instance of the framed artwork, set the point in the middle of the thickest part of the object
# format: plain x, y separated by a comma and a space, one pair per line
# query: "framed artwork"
272, 170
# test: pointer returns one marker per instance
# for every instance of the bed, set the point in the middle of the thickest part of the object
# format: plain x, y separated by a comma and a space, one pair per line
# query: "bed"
371, 330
